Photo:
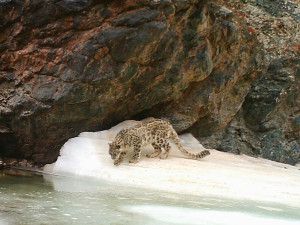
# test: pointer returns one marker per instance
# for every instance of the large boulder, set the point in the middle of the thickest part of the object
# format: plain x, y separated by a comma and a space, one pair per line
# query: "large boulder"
84, 65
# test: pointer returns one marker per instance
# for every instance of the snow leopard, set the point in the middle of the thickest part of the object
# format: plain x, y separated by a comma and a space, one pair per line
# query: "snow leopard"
155, 132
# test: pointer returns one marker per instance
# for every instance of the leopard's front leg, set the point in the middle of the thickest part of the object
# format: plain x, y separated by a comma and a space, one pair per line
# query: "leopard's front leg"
120, 159
136, 143
137, 154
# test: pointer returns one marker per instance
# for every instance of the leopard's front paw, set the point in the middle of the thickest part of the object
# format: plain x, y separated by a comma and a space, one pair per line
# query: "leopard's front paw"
117, 162
133, 160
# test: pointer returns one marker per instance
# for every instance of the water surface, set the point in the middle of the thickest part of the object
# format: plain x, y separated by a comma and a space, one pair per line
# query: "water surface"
46, 199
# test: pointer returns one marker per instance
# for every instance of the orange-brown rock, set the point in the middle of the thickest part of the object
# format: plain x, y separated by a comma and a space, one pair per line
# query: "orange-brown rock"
84, 65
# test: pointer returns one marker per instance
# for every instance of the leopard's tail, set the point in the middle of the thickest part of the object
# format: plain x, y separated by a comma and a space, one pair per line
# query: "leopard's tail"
176, 140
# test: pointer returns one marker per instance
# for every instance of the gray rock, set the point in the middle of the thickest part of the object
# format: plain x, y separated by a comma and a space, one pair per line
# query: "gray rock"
74, 5
136, 18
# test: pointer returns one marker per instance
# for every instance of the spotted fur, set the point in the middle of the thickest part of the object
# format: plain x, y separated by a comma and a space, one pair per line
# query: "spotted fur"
155, 132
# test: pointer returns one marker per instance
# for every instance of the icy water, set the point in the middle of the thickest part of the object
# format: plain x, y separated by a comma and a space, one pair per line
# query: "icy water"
45, 199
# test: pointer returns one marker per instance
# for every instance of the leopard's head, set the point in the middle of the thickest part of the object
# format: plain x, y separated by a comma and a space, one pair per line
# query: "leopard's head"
114, 150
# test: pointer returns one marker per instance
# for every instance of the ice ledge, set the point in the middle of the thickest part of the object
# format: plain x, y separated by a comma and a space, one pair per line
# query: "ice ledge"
220, 174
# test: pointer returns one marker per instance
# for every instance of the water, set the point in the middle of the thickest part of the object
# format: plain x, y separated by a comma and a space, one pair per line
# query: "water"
45, 199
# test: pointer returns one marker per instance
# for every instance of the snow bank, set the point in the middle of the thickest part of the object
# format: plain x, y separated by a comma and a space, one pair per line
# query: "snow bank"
220, 174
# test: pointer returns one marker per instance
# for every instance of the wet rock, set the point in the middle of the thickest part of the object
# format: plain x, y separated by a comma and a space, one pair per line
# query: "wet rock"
1, 164
11, 161
18, 163
18, 173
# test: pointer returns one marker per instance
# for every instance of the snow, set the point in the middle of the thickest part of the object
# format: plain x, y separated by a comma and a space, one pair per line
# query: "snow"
219, 174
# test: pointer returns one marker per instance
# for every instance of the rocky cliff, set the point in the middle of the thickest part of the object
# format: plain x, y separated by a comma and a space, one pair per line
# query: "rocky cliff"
227, 71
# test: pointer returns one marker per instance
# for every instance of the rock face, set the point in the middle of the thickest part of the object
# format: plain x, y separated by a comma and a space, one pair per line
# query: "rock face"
83, 65
268, 121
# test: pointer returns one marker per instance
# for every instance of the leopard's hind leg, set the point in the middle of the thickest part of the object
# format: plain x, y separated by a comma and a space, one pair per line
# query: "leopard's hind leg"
157, 151
166, 146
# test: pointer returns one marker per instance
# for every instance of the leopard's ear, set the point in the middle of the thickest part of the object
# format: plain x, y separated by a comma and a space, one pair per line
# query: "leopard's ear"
110, 144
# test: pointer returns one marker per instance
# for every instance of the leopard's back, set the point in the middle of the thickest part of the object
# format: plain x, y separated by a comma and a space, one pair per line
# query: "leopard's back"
152, 131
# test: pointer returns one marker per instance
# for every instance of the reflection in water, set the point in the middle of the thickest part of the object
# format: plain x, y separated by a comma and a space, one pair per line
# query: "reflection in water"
184, 215
49, 199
